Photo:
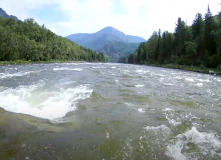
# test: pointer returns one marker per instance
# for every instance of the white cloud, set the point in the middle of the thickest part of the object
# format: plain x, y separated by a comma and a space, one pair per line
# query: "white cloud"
135, 17
53, 30
21, 8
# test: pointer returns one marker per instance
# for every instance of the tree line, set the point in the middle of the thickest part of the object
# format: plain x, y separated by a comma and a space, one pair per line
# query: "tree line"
198, 44
27, 40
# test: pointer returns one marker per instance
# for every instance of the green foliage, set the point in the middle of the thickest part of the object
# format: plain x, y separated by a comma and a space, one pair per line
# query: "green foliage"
191, 48
210, 44
215, 61
181, 35
217, 38
116, 50
29, 41
198, 45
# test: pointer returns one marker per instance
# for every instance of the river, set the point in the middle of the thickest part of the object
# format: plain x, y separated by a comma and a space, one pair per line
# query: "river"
108, 111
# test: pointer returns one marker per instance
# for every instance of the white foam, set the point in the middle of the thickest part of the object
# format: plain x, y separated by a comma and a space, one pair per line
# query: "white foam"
175, 151
108, 135
141, 110
140, 71
189, 79
113, 67
169, 117
211, 93
78, 69
67, 69
203, 80
66, 83
207, 143
168, 84
139, 85
168, 109
199, 84
18, 74
177, 77
129, 104
197, 137
161, 75
95, 67
162, 79
44, 104
158, 128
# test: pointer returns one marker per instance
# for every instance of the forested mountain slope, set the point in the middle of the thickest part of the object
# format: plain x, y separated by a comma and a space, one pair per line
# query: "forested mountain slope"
29, 41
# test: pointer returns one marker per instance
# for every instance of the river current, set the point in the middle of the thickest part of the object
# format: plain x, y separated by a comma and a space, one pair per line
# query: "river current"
108, 111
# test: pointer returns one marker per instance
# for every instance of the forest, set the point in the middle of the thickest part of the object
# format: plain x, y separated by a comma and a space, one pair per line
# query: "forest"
27, 40
195, 45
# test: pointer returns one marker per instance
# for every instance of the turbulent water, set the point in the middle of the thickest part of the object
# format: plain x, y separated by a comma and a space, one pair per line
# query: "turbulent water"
108, 111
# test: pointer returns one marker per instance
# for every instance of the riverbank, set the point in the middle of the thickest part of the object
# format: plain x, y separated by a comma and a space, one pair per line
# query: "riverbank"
18, 62
197, 69
213, 71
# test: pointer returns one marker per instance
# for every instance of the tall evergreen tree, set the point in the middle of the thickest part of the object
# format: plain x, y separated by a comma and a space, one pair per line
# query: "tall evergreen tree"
158, 49
198, 33
210, 44
180, 36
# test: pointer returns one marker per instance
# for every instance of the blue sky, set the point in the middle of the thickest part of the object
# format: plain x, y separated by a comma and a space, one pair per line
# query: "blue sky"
133, 17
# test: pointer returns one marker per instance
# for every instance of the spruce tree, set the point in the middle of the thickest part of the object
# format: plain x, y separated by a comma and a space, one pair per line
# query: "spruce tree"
210, 44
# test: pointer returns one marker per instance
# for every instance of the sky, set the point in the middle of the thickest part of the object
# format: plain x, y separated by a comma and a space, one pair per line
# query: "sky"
133, 17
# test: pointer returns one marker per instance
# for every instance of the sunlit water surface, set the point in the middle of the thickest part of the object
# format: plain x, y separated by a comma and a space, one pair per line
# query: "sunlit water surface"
108, 111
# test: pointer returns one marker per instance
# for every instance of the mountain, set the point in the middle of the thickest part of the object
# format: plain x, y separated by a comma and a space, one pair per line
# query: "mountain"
5, 15
117, 49
108, 40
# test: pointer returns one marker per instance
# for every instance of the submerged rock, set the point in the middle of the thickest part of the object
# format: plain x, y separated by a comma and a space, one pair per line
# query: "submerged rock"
25, 122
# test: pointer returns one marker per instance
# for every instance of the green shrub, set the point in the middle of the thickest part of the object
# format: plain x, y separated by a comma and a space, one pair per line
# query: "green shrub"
206, 60
214, 61
202, 66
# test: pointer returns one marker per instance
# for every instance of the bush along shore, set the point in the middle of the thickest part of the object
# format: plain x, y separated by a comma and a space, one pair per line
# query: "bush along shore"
194, 48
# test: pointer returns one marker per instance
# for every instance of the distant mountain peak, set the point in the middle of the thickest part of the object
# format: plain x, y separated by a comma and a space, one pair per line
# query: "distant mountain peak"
5, 15
110, 30
109, 27
110, 41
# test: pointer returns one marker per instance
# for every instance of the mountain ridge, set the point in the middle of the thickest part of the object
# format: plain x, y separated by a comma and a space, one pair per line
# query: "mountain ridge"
5, 15
111, 37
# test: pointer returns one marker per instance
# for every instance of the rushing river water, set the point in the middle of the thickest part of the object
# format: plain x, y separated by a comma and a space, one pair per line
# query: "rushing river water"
108, 111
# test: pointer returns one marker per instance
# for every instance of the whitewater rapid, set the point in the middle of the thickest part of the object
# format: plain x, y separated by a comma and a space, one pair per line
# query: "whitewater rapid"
125, 111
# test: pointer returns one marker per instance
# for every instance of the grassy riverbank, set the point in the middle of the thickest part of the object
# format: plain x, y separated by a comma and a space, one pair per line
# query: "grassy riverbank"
189, 68
194, 69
